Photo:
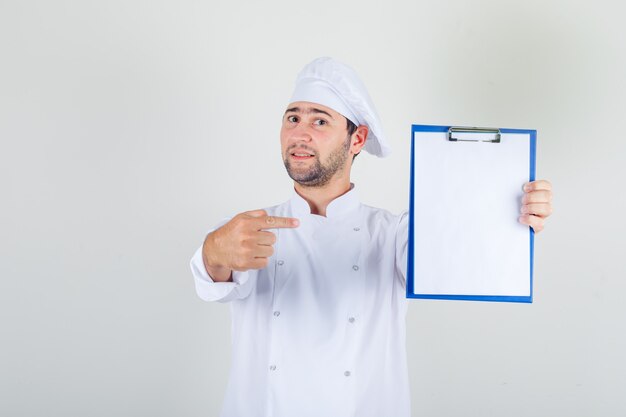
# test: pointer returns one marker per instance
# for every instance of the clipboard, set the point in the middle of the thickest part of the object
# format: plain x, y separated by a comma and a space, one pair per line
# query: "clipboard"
465, 241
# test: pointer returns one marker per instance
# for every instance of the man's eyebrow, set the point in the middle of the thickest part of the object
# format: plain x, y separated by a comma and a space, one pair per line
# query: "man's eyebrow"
311, 110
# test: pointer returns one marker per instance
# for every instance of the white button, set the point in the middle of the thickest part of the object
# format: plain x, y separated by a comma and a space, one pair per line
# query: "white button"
355, 267
272, 367
347, 373
281, 263
356, 229
277, 313
351, 319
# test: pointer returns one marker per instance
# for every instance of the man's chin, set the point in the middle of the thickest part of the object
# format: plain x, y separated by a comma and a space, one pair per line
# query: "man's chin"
309, 176
305, 179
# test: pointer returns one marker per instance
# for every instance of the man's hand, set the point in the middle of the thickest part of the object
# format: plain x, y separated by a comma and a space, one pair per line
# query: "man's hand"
242, 244
536, 204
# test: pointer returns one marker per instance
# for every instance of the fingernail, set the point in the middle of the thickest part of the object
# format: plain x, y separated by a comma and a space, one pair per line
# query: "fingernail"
526, 186
295, 222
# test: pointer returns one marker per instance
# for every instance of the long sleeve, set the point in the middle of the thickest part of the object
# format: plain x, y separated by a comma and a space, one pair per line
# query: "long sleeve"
402, 240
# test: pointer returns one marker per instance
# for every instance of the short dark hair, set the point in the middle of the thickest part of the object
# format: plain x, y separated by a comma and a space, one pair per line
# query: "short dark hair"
351, 129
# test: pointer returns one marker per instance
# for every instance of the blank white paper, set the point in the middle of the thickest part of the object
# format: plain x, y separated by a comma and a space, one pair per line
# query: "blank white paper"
467, 199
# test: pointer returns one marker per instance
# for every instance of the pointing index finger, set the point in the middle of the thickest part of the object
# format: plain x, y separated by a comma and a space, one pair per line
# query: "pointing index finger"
274, 222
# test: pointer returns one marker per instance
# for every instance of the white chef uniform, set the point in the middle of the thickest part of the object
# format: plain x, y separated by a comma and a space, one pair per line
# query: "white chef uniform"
320, 331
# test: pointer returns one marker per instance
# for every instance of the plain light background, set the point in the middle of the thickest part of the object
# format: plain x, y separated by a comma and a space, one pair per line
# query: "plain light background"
128, 128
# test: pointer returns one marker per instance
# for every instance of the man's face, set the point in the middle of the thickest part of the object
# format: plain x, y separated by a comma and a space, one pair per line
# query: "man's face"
315, 143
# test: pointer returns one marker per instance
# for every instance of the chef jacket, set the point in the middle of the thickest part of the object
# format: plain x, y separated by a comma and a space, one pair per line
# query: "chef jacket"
320, 331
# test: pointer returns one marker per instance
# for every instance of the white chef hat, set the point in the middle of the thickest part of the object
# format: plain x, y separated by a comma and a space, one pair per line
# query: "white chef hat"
332, 84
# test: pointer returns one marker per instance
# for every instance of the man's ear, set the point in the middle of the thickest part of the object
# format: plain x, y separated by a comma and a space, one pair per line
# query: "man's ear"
357, 141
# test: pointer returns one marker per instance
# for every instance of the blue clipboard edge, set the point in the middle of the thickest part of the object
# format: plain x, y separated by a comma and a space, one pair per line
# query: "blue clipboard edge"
409, 277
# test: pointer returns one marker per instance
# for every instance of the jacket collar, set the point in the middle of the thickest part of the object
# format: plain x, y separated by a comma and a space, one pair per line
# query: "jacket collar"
340, 206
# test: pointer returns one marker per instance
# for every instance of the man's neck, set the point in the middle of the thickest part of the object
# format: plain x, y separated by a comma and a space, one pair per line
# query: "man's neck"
320, 197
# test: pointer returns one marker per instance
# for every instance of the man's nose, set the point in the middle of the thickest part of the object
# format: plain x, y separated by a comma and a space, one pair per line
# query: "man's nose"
302, 132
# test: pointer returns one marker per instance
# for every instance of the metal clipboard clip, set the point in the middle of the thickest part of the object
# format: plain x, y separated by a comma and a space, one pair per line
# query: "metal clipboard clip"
464, 134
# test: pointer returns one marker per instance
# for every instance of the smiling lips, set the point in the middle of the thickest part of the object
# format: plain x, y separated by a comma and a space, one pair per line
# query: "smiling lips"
301, 155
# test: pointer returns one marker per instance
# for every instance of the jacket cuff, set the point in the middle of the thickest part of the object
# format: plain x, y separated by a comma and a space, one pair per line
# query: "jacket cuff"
209, 290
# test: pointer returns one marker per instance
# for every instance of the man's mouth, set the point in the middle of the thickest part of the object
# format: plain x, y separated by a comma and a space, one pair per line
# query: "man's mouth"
301, 155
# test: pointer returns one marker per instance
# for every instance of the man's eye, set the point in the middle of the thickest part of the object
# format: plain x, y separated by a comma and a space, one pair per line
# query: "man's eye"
320, 122
292, 119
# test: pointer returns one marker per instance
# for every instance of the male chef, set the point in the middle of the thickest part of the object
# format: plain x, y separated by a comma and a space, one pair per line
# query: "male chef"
316, 284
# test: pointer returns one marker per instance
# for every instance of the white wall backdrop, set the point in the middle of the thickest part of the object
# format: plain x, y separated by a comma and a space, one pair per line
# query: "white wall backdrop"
128, 128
